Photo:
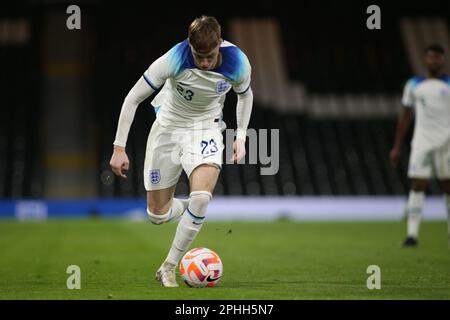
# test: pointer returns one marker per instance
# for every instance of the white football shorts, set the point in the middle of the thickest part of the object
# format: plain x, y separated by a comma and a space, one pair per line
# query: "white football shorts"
170, 150
434, 163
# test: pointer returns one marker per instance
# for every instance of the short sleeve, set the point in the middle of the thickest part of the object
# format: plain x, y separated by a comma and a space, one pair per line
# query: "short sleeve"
242, 82
408, 94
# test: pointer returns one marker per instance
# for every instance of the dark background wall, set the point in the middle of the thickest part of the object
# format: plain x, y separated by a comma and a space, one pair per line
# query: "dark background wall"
326, 47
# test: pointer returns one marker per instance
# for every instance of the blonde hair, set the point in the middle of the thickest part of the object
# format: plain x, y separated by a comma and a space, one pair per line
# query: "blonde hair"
204, 33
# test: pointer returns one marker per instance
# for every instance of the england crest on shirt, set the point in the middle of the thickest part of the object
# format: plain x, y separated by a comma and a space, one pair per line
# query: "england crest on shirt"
155, 176
222, 86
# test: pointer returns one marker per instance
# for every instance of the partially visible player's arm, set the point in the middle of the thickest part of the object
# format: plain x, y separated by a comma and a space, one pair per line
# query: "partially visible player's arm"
153, 79
137, 94
403, 124
243, 113
119, 160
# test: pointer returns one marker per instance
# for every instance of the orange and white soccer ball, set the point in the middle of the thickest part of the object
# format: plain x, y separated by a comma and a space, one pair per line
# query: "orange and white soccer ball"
201, 267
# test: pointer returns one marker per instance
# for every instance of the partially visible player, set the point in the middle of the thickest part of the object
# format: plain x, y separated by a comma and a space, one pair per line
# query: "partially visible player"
194, 77
429, 96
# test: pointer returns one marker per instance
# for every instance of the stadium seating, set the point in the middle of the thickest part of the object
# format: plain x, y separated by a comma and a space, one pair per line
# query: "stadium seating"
318, 155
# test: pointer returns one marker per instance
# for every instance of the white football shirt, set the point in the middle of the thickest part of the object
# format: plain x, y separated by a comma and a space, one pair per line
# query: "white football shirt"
190, 95
431, 99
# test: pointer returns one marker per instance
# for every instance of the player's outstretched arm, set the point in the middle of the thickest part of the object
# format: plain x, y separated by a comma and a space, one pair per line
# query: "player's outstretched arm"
119, 160
403, 123
243, 113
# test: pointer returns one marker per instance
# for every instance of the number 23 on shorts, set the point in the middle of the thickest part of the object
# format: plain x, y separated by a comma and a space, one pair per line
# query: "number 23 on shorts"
209, 147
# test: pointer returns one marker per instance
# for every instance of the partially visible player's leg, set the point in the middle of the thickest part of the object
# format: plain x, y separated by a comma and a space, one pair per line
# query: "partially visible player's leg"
202, 182
414, 208
161, 174
201, 159
419, 171
163, 207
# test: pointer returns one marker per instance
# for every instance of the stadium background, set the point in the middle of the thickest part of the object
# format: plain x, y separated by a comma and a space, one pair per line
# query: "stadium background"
328, 83
330, 86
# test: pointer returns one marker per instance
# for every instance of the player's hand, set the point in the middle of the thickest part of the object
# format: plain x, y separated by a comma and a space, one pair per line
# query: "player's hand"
394, 156
238, 150
119, 162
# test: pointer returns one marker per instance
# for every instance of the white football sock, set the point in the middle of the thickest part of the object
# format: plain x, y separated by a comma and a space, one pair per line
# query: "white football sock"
189, 225
415, 205
177, 209
181, 205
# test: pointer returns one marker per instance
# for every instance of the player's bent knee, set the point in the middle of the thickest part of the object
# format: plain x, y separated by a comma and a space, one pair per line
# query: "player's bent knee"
157, 207
153, 208
157, 218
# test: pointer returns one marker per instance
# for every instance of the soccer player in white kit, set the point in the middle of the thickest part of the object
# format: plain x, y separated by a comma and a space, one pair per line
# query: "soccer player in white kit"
194, 77
429, 95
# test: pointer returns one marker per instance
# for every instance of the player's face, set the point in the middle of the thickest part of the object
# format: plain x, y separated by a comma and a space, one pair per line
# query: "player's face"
206, 60
434, 61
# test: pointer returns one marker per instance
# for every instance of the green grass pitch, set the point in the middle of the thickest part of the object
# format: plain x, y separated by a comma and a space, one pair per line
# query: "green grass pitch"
262, 260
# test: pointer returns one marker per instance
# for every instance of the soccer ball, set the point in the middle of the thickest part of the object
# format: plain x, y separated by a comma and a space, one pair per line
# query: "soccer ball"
201, 267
